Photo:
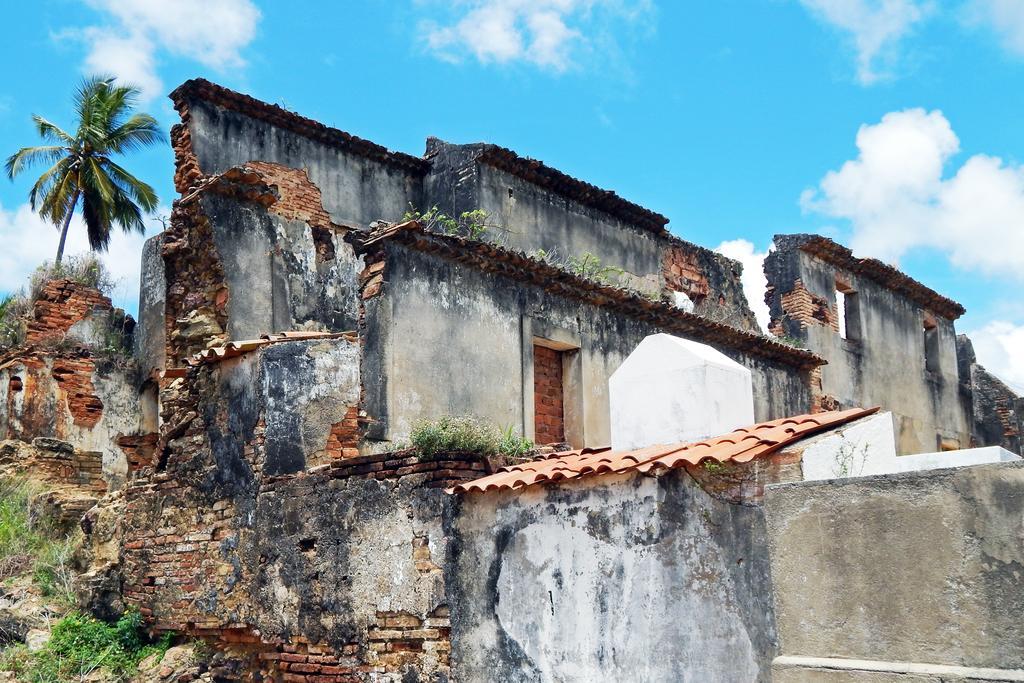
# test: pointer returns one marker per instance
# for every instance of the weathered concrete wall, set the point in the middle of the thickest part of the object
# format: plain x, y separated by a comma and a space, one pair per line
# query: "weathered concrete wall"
530, 218
151, 333
536, 218
617, 578
278, 276
884, 362
995, 411
356, 190
436, 318
922, 568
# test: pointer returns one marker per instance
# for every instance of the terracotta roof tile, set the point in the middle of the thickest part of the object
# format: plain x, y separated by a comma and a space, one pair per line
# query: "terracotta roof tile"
741, 445
237, 348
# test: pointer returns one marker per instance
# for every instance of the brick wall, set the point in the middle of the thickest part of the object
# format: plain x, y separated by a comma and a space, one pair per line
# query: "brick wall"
548, 418
682, 272
61, 304
800, 305
192, 558
743, 483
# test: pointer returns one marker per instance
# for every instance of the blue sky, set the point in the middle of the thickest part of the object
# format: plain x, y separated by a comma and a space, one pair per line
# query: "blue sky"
894, 126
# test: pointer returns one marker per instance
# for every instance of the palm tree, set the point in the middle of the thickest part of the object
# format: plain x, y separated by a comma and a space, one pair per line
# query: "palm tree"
83, 170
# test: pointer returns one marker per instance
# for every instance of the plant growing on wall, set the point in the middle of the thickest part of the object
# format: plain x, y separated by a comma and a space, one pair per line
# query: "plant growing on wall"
473, 224
465, 434
850, 460
586, 266
83, 171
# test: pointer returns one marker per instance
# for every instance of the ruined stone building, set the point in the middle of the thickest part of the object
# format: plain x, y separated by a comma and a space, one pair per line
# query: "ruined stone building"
295, 323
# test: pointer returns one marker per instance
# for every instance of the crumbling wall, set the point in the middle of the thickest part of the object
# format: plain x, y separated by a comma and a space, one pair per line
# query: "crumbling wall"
535, 208
883, 360
531, 214
921, 569
710, 281
266, 215
996, 411
619, 577
433, 315
249, 532
73, 380
360, 182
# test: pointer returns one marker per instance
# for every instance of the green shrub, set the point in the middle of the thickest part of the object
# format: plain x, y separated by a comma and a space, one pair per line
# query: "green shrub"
449, 434
28, 545
513, 445
85, 269
80, 645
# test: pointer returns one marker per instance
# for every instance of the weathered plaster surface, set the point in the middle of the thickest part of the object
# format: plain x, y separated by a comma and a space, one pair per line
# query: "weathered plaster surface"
355, 190
617, 578
924, 567
275, 280
435, 317
885, 364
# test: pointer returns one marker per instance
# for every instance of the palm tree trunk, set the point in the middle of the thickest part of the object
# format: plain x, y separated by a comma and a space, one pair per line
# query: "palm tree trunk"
64, 230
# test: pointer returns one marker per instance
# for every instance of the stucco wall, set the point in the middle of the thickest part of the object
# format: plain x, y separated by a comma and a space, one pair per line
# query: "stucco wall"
618, 578
275, 279
444, 338
42, 407
922, 567
537, 218
885, 364
151, 332
356, 190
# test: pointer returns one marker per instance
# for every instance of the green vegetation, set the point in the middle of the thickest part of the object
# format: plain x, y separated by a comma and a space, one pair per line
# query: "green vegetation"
586, 266
85, 269
790, 341
434, 438
29, 544
513, 445
713, 466
80, 645
82, 169
472, 224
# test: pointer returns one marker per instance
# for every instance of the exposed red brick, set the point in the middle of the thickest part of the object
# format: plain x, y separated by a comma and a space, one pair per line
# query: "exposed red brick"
61, 304
138, 449
681, 272
548, 418
801, 305
343, 441
74, 377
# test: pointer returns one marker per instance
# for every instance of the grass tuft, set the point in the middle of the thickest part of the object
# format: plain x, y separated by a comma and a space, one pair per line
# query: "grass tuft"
451, 434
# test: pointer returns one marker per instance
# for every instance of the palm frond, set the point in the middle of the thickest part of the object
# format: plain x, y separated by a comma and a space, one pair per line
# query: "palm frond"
28, 156
96, 213
141, 192
141, 130
60, 198
81, 166
45, 184
51, 131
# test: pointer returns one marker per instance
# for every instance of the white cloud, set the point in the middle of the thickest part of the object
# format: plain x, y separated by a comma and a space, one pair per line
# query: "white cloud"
211, 32
29, 241
999, 346
896, 197
1005, 17
875, 27
754, 281
545, 33
130, 58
